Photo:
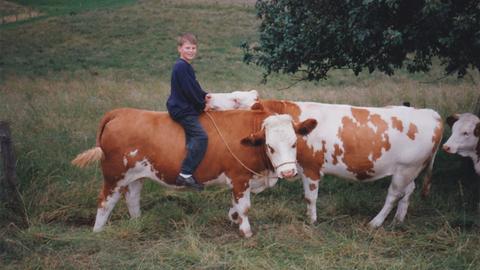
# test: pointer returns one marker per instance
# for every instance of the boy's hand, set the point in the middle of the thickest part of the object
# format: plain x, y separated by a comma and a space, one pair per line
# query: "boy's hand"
207, 107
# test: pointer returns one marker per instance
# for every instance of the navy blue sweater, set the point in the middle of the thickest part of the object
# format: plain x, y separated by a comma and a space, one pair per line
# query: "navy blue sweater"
186, 97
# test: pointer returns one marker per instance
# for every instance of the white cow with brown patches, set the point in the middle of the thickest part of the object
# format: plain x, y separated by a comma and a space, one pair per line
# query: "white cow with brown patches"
365, 144
465, 137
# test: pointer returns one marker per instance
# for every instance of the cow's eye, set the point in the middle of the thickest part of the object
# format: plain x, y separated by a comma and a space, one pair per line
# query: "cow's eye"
270, 149
294, 145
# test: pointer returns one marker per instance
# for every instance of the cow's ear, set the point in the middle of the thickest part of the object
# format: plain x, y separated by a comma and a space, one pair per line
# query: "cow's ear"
476, 132
452, 119
305, 127
257, 106
254, 139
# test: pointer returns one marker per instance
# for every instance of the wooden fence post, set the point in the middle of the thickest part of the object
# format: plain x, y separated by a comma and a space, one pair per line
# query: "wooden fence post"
8, 182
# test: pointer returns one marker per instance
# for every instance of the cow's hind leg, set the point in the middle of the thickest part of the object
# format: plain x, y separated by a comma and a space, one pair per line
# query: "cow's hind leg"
402, 206
132, 197
107, 200
399, 187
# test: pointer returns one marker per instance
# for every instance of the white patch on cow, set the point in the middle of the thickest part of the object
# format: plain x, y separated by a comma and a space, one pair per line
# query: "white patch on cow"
133, 153
143, 169
372, 126
105, 209
132, 197
259, 183
280, 136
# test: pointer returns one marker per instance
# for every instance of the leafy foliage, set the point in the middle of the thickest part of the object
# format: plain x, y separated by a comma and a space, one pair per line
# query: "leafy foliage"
316, 36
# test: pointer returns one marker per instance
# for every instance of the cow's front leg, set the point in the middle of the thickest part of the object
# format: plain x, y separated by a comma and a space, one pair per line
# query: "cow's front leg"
233, 213
241, 205
310, 187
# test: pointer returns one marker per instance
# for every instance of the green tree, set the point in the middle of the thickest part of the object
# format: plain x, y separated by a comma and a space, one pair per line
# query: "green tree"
315, 36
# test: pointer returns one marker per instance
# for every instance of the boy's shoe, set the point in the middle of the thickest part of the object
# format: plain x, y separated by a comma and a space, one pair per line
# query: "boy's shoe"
188, 182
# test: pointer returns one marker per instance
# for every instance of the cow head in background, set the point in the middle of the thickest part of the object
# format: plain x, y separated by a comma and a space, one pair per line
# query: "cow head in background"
231, 101
465, 135
278, 134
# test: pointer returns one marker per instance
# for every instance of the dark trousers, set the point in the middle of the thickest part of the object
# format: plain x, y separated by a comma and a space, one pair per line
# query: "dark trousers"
196, 143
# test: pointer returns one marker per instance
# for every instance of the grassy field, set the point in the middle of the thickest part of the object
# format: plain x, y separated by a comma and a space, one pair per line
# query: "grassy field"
61, 71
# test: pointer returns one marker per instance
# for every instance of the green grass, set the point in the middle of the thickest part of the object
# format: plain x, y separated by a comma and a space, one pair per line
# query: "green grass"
59, 73
70, 7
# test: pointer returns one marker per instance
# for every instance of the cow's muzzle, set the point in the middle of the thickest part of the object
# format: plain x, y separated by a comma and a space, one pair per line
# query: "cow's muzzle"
288, 173
447, 149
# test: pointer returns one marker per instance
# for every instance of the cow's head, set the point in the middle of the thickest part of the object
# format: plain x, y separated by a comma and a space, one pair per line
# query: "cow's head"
465, 135
231, 101
279, 135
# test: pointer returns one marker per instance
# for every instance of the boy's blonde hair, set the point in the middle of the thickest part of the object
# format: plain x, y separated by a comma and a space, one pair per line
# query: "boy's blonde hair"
186, 37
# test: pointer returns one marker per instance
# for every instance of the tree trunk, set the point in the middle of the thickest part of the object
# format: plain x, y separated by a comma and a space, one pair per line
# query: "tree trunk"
8, 181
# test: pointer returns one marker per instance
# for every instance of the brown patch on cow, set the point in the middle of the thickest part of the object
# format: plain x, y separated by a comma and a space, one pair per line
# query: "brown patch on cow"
427, 161
234, 216
360, 141
476, 132
336, 153
452, 119
427, 183
312, 161
412, 130
124, 189
282, 107
312, 187
478, 151
437, 135
107, 190
397, 124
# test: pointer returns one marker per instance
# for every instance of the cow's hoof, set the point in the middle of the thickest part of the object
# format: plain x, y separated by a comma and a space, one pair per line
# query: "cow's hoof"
97, 230
246, 234
374, 224
313, 221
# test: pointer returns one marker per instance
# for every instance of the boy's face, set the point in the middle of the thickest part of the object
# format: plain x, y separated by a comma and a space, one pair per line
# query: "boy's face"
187, 51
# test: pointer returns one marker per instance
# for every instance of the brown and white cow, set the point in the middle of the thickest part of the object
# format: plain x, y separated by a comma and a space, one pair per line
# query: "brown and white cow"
365, 144
361, 143
134, 144
465, 137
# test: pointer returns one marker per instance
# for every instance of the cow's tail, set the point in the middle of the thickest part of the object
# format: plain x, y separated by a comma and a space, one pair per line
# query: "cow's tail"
427, 180
96, 153
88, 157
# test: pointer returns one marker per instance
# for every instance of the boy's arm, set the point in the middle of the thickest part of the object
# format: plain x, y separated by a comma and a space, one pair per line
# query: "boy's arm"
192, 90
